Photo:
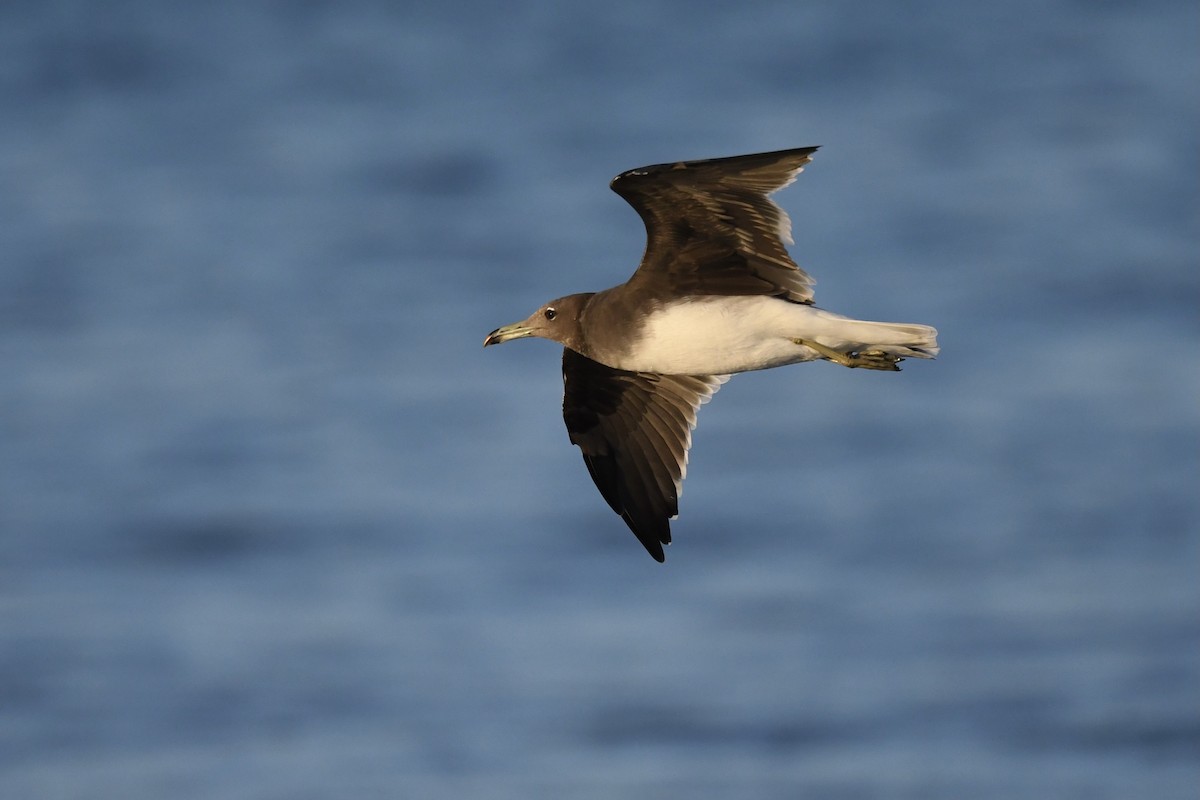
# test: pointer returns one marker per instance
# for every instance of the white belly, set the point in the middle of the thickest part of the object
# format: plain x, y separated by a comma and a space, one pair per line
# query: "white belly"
723, 335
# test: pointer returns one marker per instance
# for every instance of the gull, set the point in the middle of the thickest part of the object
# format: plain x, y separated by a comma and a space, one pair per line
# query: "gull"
716, 293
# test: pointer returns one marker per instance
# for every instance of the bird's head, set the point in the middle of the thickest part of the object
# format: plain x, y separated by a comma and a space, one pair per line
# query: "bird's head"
558, 321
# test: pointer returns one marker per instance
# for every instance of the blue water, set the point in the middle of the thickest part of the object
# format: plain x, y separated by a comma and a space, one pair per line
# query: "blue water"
274, 525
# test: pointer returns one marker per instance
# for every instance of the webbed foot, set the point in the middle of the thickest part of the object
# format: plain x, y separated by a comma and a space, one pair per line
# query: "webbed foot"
867, 359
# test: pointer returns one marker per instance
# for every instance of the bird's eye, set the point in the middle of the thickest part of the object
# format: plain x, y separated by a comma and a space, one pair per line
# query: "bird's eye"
550, 313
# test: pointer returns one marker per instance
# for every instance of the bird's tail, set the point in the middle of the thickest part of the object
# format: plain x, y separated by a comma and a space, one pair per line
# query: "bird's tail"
903, 339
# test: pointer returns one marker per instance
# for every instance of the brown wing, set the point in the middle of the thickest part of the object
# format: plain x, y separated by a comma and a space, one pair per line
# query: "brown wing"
634, 429
711, 227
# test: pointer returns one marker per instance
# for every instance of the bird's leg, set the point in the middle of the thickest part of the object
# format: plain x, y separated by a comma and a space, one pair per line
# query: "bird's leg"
867, 359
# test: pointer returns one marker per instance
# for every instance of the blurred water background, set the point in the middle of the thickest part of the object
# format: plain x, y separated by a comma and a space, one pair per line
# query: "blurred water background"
273, 524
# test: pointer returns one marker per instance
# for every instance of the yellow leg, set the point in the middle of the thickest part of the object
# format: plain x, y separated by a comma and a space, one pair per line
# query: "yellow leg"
867, 359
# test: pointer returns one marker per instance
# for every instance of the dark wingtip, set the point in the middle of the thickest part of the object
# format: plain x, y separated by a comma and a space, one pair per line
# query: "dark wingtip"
653, 542
655, 549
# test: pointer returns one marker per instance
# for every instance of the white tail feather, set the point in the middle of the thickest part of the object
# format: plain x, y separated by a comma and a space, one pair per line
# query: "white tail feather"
907, 340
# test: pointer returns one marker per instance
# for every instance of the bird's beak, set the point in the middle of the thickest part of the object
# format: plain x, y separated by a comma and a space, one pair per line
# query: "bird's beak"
518, 330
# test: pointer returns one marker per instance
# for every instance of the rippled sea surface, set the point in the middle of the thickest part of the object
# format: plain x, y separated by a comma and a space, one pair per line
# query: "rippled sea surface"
274, 525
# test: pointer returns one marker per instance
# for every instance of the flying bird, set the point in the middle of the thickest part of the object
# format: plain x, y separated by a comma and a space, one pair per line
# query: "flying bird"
716, 294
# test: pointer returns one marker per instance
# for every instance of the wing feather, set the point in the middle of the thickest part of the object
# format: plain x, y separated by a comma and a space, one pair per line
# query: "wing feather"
634, 430
711, 227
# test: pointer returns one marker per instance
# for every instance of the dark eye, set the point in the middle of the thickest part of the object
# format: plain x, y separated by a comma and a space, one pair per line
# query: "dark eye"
550, 313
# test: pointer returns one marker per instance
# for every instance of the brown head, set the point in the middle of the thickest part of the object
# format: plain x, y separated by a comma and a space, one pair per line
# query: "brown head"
558, 321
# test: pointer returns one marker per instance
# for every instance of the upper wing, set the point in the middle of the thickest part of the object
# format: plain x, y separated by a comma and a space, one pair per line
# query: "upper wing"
711, 227
634, 429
